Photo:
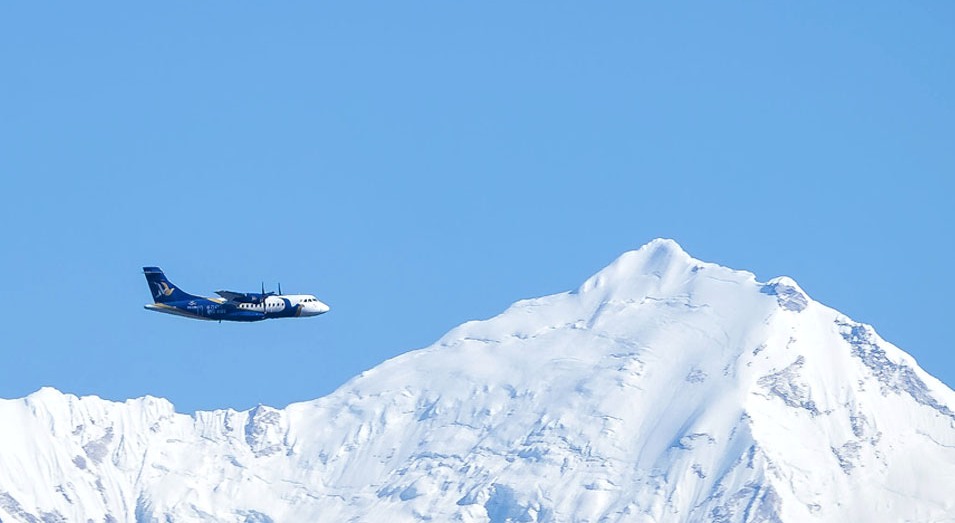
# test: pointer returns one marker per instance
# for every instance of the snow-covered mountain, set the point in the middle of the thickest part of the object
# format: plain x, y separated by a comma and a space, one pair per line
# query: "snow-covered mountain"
663, 389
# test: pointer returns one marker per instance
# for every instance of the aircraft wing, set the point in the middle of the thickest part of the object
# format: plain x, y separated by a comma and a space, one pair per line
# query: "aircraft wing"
232, 296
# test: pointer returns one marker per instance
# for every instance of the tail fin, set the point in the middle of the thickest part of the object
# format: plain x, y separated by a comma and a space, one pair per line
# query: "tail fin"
162, 289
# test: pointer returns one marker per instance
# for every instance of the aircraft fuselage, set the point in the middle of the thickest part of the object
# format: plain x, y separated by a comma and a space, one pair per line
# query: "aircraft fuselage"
216, 309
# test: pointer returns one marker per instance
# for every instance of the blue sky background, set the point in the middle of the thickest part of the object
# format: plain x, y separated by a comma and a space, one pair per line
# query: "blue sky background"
420, 164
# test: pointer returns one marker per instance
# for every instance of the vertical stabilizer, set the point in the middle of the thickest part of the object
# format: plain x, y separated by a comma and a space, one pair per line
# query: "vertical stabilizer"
163, 290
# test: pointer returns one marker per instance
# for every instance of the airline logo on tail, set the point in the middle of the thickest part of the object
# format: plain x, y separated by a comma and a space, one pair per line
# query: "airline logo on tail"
162, 289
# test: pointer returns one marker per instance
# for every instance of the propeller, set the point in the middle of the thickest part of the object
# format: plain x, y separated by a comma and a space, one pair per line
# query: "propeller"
263, 295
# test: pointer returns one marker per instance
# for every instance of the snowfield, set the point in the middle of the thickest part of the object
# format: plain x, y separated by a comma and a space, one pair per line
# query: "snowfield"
663, 389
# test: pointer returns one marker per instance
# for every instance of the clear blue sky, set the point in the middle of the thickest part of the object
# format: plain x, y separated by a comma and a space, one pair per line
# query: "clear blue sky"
420, 164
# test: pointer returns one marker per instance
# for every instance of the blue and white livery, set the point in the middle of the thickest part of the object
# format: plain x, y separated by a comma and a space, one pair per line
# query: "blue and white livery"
230, 306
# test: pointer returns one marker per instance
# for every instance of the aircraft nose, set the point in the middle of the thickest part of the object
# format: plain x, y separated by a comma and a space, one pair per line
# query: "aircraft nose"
321, 308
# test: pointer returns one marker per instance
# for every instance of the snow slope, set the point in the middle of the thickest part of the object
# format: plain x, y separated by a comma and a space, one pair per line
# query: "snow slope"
663, 389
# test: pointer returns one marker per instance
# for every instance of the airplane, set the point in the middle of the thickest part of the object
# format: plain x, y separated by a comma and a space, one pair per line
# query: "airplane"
230, 306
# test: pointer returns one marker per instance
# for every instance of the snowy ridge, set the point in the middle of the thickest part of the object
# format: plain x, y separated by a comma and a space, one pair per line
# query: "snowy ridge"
663, 389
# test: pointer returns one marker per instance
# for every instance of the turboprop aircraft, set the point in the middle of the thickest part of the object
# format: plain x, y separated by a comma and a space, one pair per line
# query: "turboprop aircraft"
230, 306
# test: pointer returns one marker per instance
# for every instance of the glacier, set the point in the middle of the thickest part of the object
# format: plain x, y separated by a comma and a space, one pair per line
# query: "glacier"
663, 389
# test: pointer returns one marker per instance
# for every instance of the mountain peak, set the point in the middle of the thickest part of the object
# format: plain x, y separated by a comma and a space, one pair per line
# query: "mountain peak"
657, 254
658, 259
